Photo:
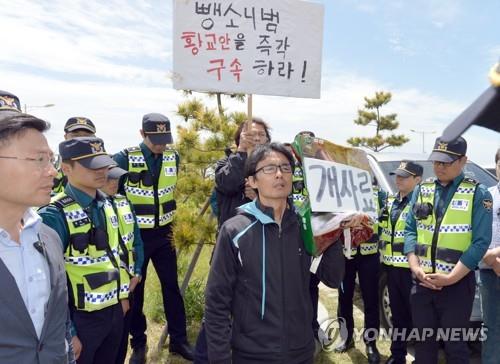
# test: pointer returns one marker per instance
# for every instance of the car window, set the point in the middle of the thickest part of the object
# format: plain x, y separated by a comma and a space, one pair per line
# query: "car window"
471, 170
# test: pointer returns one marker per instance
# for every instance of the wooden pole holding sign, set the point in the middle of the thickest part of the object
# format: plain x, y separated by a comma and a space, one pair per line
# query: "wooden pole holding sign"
248, 126
249, 113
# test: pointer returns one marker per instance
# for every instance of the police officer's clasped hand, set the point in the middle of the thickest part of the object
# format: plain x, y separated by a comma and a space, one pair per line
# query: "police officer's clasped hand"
489, 258
424, 279
496, 266
440, 280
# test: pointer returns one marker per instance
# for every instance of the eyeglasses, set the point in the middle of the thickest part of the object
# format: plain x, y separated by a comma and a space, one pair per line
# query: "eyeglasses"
42, 161
260, 135
273, 168
444, 164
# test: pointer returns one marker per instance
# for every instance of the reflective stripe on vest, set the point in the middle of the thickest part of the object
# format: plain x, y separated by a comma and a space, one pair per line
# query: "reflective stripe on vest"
126, 228
369, 248
154, 205
59, 182
455, 232
93, 277
392, 243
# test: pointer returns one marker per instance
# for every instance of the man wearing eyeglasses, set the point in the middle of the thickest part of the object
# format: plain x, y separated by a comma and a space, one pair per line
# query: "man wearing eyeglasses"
88, 227
150, 186
258, 308
448, 230
33, 286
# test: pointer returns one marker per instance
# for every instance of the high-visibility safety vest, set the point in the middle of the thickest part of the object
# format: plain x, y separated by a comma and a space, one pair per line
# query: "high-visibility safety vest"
96, 281
392, 237
59, 182
154, 203
368, 248
126, 221
440, 244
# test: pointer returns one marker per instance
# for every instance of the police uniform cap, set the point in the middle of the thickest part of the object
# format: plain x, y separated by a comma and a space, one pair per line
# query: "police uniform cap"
115, 172
448, 152
408, 168
9, 102
157, 128
79, 123
88, 151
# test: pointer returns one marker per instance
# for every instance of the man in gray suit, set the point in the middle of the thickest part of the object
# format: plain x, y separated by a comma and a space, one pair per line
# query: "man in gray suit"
33, 292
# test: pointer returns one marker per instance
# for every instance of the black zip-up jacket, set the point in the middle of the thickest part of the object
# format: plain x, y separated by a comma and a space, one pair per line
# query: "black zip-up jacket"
258, 306
230, 185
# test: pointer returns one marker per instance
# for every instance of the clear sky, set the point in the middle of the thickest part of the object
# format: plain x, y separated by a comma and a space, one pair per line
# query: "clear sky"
111, 61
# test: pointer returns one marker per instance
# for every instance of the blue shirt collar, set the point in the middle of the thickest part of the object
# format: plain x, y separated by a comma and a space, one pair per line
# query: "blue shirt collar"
456, 181
406, 198
146, 151
83, 199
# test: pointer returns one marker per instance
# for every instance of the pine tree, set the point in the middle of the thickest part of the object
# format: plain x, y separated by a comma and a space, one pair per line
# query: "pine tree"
370, 115
202, 140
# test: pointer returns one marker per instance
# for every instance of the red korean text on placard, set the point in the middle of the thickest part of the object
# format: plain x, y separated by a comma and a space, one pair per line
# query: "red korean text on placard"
218, 66
192, 40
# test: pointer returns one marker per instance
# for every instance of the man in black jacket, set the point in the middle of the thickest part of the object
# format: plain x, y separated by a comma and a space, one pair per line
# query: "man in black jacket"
258, 308
232, 191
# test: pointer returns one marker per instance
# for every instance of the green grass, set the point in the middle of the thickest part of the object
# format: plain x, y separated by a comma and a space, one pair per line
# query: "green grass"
153, 306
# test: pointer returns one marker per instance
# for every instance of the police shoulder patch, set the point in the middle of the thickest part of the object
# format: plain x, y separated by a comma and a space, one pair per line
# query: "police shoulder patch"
133, 149
65, 201
471, 180
488, 204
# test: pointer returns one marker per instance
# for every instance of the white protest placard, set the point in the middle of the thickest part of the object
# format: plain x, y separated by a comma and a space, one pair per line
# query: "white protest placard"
336, 187
267, 47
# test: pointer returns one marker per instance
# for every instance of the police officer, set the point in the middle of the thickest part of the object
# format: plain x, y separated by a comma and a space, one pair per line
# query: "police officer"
131, 245
88, 227
448, 230
74, 127
149, 186
392, 226
365, 262
490, 281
